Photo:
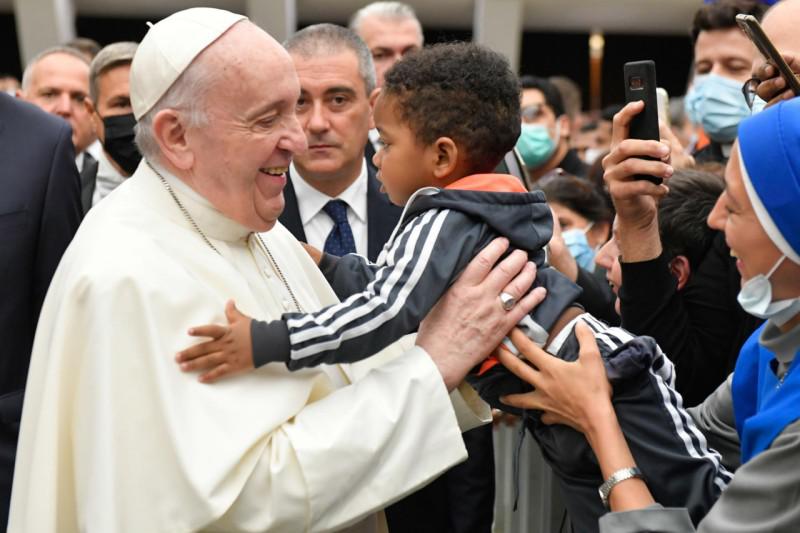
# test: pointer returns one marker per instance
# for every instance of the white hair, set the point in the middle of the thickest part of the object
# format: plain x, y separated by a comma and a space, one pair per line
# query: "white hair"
384, 10
187, 95
27, 75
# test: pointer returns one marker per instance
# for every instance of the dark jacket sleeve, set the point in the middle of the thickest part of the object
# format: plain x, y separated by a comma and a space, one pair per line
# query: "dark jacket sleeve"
426, 257
61, 215
348, 274
700, 327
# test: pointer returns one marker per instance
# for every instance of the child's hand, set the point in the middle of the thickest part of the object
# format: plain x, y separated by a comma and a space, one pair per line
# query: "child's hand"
229, 351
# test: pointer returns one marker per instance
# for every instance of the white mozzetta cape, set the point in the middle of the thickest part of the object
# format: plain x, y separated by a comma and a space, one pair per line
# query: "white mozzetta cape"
115, 438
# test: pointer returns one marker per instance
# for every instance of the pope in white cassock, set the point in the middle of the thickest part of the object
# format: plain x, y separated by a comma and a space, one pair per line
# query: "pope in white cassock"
116, 438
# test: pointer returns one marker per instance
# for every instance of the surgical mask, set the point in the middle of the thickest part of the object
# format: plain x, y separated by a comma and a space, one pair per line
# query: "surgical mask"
119, 143
593, 154
535, 144
579, 248
755, 297
716, 103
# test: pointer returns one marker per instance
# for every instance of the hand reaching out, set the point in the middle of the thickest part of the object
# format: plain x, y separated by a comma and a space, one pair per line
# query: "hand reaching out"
229, 351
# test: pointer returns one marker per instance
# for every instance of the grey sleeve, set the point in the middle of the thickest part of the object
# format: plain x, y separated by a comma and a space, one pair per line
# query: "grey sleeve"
714, 417
653, 518
763, 495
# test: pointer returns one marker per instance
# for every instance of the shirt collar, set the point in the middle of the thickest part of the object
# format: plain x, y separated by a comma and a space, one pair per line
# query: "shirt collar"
354, 196
211, 222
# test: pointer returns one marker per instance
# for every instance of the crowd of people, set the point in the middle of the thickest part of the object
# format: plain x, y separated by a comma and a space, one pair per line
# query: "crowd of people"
253, 286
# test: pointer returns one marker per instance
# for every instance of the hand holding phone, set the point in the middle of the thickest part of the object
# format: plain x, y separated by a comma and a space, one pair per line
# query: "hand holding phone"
640, 84
755, 33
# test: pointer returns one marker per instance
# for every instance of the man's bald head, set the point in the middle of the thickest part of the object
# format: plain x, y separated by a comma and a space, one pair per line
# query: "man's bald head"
781, 23
57, 80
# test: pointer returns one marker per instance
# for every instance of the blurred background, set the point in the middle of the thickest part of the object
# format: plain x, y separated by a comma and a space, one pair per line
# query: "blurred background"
586, 40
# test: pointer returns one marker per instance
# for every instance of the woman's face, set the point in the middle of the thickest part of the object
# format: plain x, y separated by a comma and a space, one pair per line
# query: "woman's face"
596, 236
754, 251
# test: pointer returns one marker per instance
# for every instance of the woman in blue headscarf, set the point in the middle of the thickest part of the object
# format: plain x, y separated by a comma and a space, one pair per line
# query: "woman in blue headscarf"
754, 417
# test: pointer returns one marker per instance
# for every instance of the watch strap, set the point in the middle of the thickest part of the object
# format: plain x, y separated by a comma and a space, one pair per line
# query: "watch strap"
614, 479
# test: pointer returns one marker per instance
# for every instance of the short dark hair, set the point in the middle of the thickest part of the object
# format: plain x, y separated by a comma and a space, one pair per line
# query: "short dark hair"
721, 15
579, 195
552, 96
463, 91
683, 212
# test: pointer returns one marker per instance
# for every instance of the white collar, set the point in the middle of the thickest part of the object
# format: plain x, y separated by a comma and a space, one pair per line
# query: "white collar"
354, 196
210, 221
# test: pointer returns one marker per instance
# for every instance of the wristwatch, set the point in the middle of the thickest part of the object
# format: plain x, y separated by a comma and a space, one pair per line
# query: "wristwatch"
615, 478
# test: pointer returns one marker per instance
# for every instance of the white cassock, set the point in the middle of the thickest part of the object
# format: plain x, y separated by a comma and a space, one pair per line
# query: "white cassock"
116, 438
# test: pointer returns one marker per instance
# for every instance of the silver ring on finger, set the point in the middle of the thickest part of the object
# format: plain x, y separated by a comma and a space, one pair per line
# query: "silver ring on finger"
507, 301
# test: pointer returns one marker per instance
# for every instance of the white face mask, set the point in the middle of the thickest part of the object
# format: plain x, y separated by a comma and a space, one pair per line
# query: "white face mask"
755, 297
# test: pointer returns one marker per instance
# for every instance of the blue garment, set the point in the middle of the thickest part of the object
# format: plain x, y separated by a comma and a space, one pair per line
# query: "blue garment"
763, 405
340, 240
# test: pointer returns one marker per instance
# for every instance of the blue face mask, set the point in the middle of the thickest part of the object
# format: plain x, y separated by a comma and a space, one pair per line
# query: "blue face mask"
716, 103
535, 144
579, 248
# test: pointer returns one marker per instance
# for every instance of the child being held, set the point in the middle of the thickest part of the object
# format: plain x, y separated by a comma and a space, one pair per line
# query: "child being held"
446, 118
447, 115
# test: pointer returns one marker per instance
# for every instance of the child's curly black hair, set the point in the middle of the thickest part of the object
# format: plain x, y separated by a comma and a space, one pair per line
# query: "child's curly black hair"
463, 91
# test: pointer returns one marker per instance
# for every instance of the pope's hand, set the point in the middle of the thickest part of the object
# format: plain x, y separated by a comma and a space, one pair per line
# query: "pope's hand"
469, 321
229, 351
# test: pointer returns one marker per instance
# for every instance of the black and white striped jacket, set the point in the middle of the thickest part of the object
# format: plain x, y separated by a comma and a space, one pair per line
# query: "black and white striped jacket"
439, 232
679, 467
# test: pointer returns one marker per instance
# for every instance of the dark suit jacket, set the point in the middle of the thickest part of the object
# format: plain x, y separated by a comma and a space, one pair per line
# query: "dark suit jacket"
40, 210
382, 215
88, 174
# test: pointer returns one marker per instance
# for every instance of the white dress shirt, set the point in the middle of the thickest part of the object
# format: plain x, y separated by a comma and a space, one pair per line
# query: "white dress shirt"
316, 222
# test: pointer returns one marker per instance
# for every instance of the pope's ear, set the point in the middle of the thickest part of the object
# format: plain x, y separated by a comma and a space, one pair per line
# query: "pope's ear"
171, 135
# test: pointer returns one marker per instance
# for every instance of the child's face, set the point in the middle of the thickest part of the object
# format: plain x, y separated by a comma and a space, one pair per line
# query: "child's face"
404, 164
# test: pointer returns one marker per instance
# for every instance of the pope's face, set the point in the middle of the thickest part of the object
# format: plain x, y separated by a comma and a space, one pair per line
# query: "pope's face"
242, 154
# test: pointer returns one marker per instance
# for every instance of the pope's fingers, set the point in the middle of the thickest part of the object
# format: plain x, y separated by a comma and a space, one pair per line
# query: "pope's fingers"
505, 271
482, 264
529, 301
522, 281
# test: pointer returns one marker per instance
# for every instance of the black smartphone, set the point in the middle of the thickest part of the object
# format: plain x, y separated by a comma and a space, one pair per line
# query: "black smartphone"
640, 84
755, 33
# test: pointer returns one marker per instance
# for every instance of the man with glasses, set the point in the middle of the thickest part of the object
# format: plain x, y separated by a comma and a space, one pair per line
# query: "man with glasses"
723, 56
544, 140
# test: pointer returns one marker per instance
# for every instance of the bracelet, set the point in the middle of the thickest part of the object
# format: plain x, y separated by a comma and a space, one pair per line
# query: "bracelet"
616, 478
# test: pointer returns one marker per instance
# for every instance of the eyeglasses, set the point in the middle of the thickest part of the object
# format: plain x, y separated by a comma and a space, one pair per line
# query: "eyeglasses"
532, 112
749, 91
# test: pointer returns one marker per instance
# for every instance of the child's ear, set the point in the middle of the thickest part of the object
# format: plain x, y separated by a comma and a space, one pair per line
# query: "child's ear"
445, 157
373, 97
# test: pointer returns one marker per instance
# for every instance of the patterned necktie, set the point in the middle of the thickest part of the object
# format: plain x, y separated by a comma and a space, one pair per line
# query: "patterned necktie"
340, 240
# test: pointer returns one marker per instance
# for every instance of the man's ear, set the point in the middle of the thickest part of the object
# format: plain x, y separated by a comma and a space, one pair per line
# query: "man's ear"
444, 156
565, 126
170, 134
680, 268
373, 97
97, 122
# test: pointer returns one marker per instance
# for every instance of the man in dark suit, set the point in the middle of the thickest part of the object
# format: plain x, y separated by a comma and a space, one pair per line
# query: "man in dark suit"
334, 202
333, 199
39, 213
57, 81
